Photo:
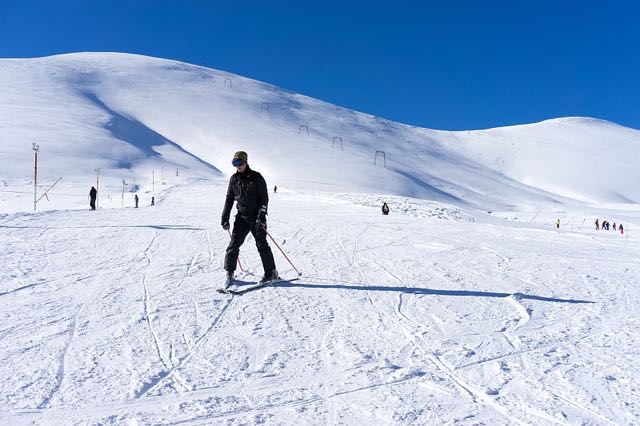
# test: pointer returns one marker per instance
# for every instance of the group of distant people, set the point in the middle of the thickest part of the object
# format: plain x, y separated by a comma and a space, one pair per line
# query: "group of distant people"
385, 211
605, 226
93, 194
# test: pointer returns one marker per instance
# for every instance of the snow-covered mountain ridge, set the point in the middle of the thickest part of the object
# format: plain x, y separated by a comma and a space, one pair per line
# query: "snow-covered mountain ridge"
438, 313
130, 114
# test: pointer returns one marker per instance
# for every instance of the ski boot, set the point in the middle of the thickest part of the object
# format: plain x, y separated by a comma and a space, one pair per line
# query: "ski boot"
268, 277
229, 281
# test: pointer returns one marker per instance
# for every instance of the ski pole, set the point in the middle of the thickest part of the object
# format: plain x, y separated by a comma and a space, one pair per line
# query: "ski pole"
282, 251
239, 264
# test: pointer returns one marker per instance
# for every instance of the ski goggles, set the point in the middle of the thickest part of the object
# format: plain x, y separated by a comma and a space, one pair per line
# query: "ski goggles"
237, 162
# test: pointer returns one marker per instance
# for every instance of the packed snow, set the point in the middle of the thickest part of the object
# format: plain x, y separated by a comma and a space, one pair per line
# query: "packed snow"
465, 305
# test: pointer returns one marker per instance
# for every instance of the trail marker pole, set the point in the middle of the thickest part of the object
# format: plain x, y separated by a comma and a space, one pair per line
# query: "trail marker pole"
124, 183
35, 148
97, 188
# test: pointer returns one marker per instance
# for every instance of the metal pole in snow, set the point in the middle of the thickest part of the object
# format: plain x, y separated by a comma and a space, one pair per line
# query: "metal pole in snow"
50, 188
35, 148
124, 183
97, 188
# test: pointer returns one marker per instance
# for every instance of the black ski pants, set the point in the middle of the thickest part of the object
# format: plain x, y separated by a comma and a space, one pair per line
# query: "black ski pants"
241, 227
92, 203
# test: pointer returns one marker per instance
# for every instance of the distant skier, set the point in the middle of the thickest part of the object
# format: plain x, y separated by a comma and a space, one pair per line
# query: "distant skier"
92, 198
614, 226
153, 201
558, 224
275, 189
135, 197
385, 209
597, 225
249, 189
621, 228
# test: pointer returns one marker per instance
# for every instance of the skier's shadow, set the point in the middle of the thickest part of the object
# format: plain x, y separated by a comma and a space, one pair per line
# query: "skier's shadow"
240, 284
428, 291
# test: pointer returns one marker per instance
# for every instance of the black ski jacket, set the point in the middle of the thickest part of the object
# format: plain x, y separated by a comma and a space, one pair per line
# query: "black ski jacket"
249, 189
93, 193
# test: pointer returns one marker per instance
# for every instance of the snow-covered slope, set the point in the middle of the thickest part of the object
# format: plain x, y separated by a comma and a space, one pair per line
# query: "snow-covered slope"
435, 314
130, 115
112, 318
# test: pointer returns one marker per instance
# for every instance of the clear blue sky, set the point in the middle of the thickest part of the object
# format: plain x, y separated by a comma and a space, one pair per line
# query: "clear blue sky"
440, 64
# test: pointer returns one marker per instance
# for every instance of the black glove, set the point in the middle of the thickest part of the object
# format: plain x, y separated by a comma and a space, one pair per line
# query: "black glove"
225, 224
261, 220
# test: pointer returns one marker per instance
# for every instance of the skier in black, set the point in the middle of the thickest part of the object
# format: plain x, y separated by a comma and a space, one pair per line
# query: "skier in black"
249, 189
385, 209
92, 198
136, 200
275, 189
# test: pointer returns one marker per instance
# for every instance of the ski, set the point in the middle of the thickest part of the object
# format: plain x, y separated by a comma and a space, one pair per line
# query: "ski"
254, 286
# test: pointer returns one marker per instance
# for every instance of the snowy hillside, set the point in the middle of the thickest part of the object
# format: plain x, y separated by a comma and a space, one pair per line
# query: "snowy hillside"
466, 305
130, 115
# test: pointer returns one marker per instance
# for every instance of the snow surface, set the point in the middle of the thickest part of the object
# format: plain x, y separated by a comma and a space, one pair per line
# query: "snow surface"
425, 317
464, 305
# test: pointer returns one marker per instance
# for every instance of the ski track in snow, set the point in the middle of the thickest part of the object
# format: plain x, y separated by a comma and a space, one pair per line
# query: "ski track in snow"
466, 386
165, 375
147, 302
62, 363
462, 322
